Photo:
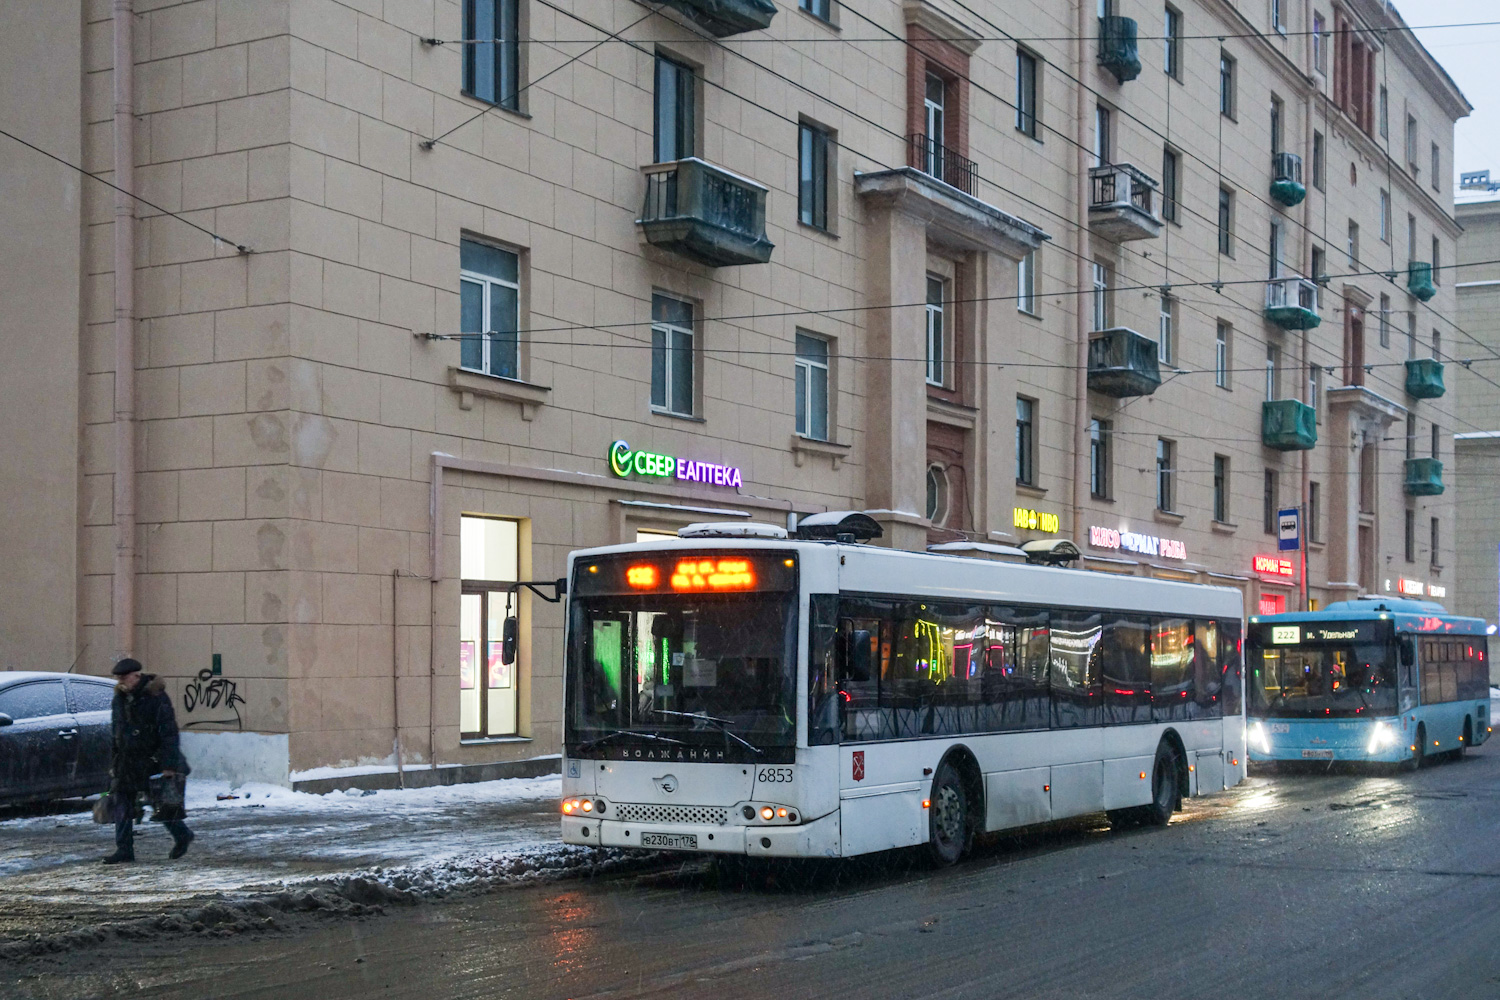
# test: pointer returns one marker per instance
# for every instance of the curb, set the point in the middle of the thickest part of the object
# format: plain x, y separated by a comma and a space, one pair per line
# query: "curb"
427, 777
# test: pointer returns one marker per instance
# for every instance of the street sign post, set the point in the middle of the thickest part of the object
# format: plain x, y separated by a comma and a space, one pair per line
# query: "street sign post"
1288, 530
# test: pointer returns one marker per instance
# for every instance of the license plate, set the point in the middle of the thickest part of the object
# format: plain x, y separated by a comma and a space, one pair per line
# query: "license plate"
1317, 755
671, 841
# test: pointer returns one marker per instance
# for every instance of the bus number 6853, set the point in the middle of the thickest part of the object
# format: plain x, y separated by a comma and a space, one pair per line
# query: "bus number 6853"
774, 775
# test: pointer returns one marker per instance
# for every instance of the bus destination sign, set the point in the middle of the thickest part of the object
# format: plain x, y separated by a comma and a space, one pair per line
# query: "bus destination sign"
1321, 633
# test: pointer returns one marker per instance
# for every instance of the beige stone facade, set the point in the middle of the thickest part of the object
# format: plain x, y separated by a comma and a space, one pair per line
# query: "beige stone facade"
1477, 445
303, 413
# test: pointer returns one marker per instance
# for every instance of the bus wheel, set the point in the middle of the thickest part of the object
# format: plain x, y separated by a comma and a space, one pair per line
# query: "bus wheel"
1163, 787
948, 829
1420, 752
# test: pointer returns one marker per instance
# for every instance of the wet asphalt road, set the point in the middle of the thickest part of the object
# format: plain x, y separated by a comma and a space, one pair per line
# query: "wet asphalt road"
1309, 885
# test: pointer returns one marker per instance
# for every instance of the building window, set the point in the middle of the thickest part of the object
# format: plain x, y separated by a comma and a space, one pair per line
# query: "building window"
1437, 261
1354, 78
1170, 184
489, 309
1221, 489
1411, 436
1437, 162
812, 176
1352, 248
1385, 216
1165, 330
1226, 85
1277, 242
1226, 222
1317, 160
1268, 502
933, 103
1172, 39
492, 53
937, 495
1437, 441
937, 289
1025, 441
1273, 372
1411, 144
1221, 356
821, 9
1103, 136
1437, 345
1101, 435
676, 114
1320, 44
489, 558
1278, 18
1026, 93
1102, 310
1385, 321
1166, 474
1436, 538
1411, 535
1314, 388
1411, 237
1314, 512
1026, 276
1385, 113
812, 386
1411, 329
1278, 112
1319, 265
672, 362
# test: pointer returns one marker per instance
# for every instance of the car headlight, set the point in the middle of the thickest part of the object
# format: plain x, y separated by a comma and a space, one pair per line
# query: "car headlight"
1258, 734
1382, 736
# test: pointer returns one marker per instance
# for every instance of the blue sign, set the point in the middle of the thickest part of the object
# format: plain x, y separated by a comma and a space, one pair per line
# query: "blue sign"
1288, 530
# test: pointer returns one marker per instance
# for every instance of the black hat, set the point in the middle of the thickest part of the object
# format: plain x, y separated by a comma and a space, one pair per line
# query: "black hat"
126, 666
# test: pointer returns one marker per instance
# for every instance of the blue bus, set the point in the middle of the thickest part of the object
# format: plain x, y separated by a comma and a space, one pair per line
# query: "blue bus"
1373, 679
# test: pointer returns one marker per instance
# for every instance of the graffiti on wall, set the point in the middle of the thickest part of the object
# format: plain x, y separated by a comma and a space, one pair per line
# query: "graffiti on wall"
211, 700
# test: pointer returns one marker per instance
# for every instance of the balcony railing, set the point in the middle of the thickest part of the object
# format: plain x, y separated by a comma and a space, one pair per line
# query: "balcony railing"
1123, 203
1292, 303
1288, 425
705, 213
936, 160
1286, 179
1424, 477
1123, 363
1424, 378
1119, 52
1419, 280
726, 17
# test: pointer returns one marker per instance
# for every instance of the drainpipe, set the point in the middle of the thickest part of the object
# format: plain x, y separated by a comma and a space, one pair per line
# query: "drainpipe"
396, 679
123, 589
1310, 73
1082, 301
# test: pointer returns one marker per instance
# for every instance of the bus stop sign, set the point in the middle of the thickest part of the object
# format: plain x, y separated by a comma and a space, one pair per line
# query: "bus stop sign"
1288, 535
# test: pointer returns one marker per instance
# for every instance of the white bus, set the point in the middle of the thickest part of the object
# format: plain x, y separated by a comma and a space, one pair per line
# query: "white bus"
742, 692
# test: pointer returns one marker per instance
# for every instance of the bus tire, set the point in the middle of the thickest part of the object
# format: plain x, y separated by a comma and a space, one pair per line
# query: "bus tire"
1413, 762
949, 830
1164, 800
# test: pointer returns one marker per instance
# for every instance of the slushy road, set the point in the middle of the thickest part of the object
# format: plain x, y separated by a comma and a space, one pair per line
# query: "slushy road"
1309, 885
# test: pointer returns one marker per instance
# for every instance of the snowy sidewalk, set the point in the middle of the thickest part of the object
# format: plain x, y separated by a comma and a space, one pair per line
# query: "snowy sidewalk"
265, 838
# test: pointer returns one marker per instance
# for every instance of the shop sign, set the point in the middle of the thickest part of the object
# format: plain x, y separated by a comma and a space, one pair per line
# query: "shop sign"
1411, 588
1436, 590
1036, 520
1130, 541
1274, 565
624, 463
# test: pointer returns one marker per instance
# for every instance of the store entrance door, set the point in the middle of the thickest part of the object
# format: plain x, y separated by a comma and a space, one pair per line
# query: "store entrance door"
487, 687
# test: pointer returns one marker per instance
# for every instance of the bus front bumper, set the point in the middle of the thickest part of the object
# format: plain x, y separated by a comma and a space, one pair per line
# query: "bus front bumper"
818, 838
1369, 741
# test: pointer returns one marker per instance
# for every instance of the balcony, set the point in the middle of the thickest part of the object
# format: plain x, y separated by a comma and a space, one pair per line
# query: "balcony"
1118, 50
1419, 280
705, 213
936, 160
1424, 477
1286, 179
1424, 378
726, 17
1288, 425
1292, 303
1123, 203
1123, 363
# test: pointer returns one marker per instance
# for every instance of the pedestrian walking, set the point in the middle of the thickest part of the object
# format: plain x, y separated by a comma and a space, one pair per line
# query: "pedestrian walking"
145, 744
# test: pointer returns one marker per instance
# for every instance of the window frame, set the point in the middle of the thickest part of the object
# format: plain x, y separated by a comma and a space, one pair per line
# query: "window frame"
1385, 216
1410, 535
1351, 247
1319, 160
1101, 458
1221, 489
937, 332
1320, 43
684, 81
672, 333
1026, 419
1273, 371
810, 7
1028, 92
814, 162
1222, 333
1103, 311
1227, 84
806, 369
1166, 475
1437, 167
1172, 42
1270, 500
488, 338
1026, 284
1226, 222
1171, 185
507, 55
1278, 18
1166, 329
1385, 320
1314, 512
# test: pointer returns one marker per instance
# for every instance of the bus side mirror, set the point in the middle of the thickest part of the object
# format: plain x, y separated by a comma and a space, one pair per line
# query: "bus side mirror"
856, 665
5, 720
509, 638
1408, 647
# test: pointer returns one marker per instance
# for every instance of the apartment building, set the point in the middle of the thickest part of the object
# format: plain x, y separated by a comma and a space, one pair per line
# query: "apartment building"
420, 295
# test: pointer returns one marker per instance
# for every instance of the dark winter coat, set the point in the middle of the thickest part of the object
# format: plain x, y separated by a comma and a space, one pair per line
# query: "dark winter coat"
145, 735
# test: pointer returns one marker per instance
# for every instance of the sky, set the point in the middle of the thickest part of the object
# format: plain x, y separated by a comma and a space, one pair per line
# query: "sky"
1470, 57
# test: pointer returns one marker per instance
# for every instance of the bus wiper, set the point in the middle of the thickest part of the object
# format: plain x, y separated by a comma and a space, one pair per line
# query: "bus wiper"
617, 733
722, 724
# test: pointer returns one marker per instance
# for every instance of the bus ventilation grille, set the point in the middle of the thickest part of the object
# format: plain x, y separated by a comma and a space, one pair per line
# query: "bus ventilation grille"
632, 812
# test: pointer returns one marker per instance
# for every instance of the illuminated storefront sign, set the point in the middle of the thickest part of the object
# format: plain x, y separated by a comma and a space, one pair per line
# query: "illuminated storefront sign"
1275, 565
1035, 520
1436, 590
623, 462
1412, 588
1130, 541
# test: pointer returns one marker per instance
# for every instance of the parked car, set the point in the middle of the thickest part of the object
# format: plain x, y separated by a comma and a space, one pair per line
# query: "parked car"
54, 735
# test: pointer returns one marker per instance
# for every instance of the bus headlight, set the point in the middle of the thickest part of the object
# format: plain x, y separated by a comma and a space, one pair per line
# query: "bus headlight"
1258, 734
1382, 736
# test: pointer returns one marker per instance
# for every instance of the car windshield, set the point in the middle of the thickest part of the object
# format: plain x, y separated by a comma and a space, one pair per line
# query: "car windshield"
1324, 681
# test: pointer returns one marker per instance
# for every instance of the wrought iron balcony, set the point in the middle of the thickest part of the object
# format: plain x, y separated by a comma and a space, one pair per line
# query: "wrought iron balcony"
1424, 477
1123, 363
936, 160
1419, 280
705, 213
1292, 303
1123, 203
1119, 51
726, 17
1288, 425
1286, 179
1424, 378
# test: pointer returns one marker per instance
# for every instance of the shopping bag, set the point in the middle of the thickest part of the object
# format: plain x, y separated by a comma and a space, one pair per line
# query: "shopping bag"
167, 794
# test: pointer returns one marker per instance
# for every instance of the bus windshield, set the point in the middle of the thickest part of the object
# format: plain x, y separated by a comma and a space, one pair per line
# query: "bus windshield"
683, 671
1323, 681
